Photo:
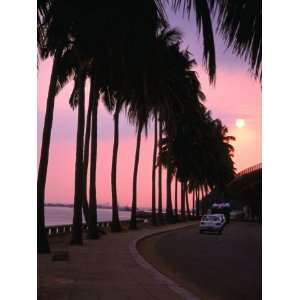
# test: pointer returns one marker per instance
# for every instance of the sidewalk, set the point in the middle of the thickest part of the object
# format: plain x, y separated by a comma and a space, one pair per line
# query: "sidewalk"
104, 269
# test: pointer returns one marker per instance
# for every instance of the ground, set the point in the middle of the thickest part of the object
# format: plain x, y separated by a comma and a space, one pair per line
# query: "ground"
213, 267
103, 269
209, 266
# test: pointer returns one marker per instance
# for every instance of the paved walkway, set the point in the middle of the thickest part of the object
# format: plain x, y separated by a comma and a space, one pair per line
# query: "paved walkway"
103, 269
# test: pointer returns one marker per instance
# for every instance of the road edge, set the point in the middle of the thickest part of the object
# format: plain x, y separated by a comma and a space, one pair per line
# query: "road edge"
157, 275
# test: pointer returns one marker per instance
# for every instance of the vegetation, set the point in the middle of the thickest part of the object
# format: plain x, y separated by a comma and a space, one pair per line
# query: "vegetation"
137, 64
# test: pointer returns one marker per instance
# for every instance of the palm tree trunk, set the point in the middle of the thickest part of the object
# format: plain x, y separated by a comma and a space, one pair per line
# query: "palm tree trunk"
87, 150
202, 200
132, 224
197, 202
193, 209
187, 201
183, 201
93, 232
153, 215
115, 224
78, 195
160, 215
176, 202
42, 237
169, 194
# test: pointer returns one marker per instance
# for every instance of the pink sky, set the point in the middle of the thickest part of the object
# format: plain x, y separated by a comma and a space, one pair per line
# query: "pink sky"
236, 95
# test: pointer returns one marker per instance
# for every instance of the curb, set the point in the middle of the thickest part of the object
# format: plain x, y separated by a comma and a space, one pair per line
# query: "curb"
158, 276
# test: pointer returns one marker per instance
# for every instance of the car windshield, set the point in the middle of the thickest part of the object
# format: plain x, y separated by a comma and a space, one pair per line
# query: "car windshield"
210, 218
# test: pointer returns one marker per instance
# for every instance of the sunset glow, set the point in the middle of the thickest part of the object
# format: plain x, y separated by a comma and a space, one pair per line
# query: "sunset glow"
240, 123
233, 83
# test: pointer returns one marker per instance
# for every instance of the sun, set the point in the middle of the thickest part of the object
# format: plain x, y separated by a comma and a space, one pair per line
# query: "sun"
240, 123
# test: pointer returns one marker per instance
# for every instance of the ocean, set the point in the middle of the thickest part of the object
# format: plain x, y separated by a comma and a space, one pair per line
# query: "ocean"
57, 215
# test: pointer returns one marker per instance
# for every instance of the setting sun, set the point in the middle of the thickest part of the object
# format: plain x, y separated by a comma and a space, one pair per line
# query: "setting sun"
240, 123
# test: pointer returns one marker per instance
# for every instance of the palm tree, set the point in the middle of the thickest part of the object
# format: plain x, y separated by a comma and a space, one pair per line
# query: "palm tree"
202, 12
93, 231
160, 215
115, 225
187, 201
239, 23
169, 210
76, 238
43, 246
193, 209
153, 215
133, 224
175, 201
47, 46
183, 218
86, 154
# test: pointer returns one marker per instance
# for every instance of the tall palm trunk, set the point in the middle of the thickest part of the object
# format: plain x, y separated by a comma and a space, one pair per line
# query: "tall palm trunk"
169, 210
87, 150
153, 215
202, 200
197, 202
42, 237
160, 215
176, 202
187, 201
115, 224
92, 214
132, 224
193, 209
79, 172
182, 201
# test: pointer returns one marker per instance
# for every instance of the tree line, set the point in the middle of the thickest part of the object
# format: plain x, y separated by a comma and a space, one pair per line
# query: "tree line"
135, 63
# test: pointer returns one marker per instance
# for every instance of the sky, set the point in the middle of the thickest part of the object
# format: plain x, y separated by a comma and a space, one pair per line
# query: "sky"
236, 95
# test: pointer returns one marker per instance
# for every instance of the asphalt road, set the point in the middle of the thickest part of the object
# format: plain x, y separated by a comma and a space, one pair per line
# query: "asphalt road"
213, 267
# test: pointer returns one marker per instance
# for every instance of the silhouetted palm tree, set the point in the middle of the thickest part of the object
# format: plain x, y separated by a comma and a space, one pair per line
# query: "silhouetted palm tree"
93, 231
52, 40
115, 225
187, 201
202, 12
79, 168
42, 240
176, 201
133, 224
182, 206
154, 160
239, 23
160, 214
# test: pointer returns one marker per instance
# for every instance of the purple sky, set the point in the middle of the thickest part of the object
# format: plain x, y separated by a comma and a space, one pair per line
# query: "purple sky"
235, 95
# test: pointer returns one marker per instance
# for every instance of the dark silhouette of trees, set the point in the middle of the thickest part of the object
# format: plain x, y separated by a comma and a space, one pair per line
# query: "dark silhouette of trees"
135, 61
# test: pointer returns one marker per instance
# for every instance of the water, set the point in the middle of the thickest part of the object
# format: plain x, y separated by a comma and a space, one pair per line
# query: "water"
64, 215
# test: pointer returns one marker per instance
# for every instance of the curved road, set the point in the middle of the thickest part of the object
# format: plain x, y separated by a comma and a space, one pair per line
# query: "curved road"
213, 267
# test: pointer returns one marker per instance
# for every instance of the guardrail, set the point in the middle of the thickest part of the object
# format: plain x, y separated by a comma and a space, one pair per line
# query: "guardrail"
55, 230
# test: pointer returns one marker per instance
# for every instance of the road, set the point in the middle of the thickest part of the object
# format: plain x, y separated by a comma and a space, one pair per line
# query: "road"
213, 267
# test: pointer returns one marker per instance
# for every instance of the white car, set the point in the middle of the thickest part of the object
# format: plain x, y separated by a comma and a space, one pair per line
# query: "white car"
212, 222
222, 217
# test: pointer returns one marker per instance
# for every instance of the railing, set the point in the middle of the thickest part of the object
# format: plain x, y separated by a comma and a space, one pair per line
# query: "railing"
55, 230
250, 170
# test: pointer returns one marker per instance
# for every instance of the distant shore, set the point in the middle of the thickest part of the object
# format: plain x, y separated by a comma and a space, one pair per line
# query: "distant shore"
121, 208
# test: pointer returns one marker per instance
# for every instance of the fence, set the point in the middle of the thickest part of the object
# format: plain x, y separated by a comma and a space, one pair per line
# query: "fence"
55, 230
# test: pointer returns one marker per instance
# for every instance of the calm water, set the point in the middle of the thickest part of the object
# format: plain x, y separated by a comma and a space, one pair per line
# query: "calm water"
64, 215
